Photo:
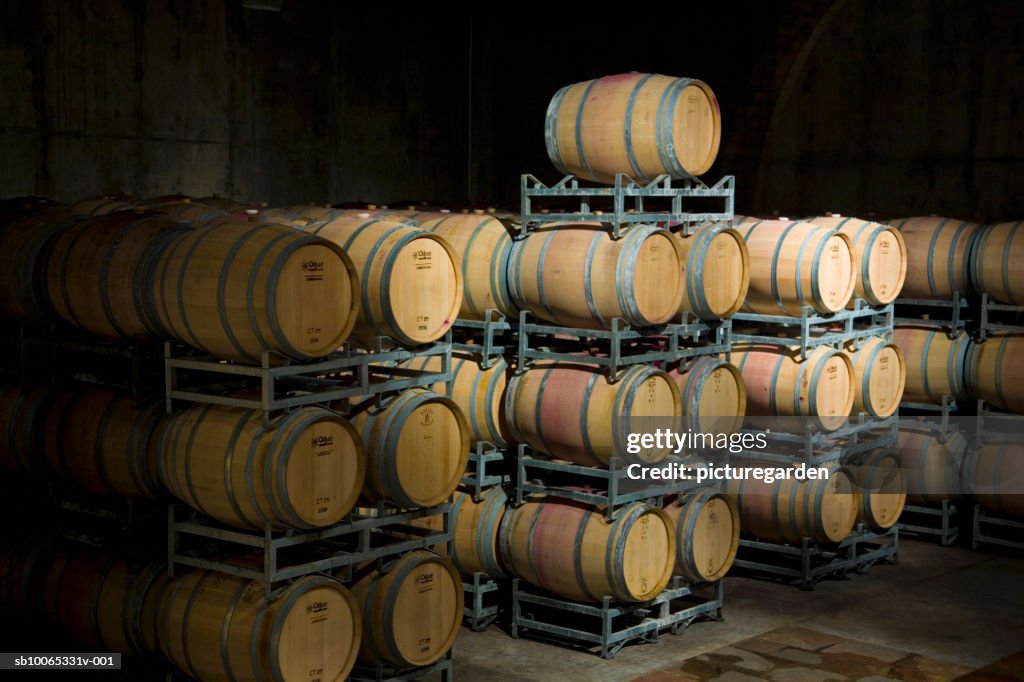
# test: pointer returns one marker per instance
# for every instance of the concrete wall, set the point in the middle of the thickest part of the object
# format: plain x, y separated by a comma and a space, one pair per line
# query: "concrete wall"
847, 106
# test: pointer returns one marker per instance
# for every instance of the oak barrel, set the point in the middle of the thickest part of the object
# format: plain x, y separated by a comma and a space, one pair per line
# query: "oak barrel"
71, 594
707, 533
880, 489
189, 211
571, 412
933, 467
879, 257
22, 569
417, 446
716, 271
219, 627
100, 206
714, 397
578, 276
26, 233
412, 612
995, 372
642, 125
304, 472
797, 264
571, 550
788, 510
997, 262
936, 364
880, 376
21, 424
474, 547
410, 280
938, 256
819, 388
479, 393
994, 476
236, 290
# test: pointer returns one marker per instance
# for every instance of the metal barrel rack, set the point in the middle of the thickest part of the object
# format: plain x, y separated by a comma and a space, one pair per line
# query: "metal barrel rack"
940, 522
805, 564
487, 340
487, 467
485, 599
383, 672
860, 434
627, 202
993, 530
997, 317
945, 314
607, 626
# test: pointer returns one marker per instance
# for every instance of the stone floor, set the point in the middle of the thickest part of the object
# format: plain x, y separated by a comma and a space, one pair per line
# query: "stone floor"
937, 615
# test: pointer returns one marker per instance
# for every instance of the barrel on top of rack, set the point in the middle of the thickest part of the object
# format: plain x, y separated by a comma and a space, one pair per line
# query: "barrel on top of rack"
482, 245
569, 549
932, 462
880, 488
216, 626
26, 232
879, 256
578, 276
570, 411
938, 255
475, 547
936, 364
479, 393
410, 280
995, 372
237, 290
417, 447
303, 471
411, 611
714, 397
641, 125
789, 509
880, 376
997, 261
716, 271
707, 530
779, 383
795, 265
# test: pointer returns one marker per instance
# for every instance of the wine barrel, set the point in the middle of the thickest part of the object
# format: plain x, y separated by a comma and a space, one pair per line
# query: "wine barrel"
100, 206
641, 125
788, 510
312, 212
102, 442
216, 626
819, 388
995, 372
142, 608
21, 423
879, 256
880, 376
571, 412
305, 472
569, 549
997, 261
714, 397
189, 211
417, 444
410, 279
936, 366
225, 204
98, 273
411, 612
579, 276
238, 290
482, 245
716, 271
71, 595
938, 256
994, 476
25, 236
22, 568
795, 265
932, 467
474, 547
880, 489
479, 393
707, 534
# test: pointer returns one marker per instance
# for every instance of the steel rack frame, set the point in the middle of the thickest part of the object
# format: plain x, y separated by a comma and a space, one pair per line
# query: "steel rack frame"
820, 447
490, 337
987, 327
945, 410
607, 484
940, 522
813, 326
990, 529
989, 421
613, 624
805, 564
956, 305
383, 672
355, 540
626, 346
626, 191
343, 375
121, 524
485, 599
477, 478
